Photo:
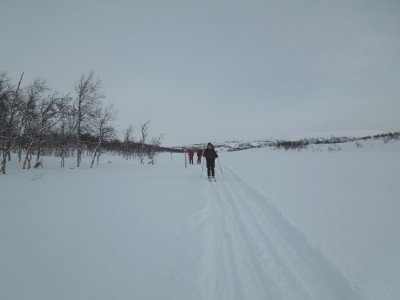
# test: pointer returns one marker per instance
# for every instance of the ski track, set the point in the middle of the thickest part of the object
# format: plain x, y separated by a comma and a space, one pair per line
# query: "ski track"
240, 247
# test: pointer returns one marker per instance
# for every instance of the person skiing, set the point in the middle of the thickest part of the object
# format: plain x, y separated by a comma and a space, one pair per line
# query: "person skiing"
199, 155
210, 156
191, 154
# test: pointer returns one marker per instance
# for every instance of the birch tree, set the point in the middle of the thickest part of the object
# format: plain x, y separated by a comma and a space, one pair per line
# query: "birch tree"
128, 139
153, 147
66, 128
88, 94
48, 118
144, 130
102, 128
11, 117
31, 121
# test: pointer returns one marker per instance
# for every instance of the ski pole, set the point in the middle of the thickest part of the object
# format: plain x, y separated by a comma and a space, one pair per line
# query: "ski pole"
202, 166
220, 168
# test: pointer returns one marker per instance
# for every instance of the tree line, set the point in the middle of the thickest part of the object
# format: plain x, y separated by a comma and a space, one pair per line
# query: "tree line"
37, 121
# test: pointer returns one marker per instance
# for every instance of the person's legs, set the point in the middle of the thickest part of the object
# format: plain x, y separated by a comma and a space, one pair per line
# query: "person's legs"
213, 168
208, 168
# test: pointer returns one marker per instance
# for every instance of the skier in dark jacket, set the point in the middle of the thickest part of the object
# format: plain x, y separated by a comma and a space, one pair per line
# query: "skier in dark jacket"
210, 156
199, 155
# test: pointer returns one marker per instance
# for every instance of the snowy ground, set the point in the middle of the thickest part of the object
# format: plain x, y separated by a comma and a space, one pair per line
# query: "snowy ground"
314, 224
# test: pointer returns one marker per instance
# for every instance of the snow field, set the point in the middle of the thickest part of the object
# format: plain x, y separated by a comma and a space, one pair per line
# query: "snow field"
246, 250
282, 225
345, 202
106, 233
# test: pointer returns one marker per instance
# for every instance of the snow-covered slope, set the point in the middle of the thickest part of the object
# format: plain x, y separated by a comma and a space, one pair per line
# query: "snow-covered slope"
310, 224
343, 133
326, 137
346, 202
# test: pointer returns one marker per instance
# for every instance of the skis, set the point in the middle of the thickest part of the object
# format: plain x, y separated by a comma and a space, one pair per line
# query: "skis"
212, 179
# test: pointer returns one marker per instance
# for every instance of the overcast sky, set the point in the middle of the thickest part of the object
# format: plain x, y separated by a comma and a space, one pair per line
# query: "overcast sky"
216, 70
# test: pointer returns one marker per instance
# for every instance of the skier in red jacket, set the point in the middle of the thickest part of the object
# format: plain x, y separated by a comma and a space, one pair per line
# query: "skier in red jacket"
191, 154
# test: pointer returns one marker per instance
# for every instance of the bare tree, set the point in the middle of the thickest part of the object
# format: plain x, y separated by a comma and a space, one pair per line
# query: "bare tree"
11, 117
49, 117
102, 128
144, 130
31, 122
5, 94
128, 139
153, 147
66, 128
88, 94
5, 91
35, 121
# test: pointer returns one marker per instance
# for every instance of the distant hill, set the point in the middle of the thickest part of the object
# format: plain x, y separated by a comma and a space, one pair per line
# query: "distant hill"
297, 143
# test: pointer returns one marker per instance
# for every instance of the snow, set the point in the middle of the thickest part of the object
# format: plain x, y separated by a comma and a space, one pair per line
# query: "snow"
346, 202
310, 224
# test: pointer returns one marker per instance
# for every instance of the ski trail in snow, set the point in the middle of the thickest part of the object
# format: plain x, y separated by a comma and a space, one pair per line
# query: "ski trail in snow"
240, 247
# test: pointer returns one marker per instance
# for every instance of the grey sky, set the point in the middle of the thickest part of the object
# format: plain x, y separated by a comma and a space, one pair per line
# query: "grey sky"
217, 70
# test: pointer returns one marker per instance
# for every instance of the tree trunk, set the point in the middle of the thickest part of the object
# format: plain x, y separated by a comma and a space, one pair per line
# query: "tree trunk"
39, 152
78, 153
3, 164
96, 152
27, 160
78, 145
9, 153
62, 155
93, 158
19, 153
